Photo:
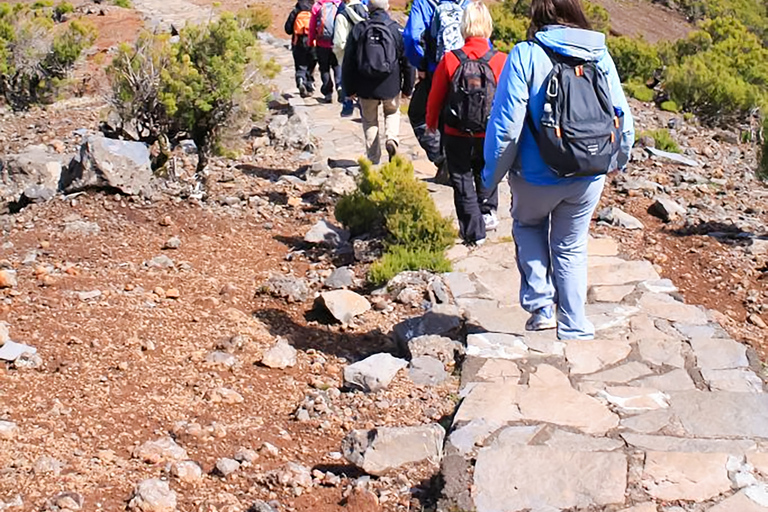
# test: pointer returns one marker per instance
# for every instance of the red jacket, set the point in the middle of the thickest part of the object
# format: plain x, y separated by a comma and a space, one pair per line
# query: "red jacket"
474, 47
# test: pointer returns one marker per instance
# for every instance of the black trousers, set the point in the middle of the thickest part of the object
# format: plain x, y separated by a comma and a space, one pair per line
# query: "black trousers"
328, 63
464, 157
417, 115
304, 62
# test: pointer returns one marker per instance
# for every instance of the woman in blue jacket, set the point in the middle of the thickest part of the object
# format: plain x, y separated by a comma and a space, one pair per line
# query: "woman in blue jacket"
551, 214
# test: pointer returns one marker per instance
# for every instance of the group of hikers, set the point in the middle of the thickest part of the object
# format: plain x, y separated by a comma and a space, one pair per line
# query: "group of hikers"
551, 115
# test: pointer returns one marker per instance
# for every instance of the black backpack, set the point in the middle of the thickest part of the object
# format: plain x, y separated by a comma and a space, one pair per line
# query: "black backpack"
376, 50
359, 9
473, 87
580, 132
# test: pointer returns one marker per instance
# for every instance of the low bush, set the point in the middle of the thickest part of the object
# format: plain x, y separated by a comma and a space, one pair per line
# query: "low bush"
391, 199
669, 106
663, 139
36, 52
635, 59
639, 91
193, 87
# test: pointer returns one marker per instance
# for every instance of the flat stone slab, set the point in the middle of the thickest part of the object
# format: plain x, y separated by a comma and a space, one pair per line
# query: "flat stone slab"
498, 370
508, 478
721, 413
496, 345
621, 374
493, 401
593, 355
509, 320
665, 306
675, 380
550, 398
648, 422
719, 354
738, 380
632, 400
609, 293
655, 346
683, 444
685, 476
621, 272
602, 247
472, 435
569, 441
739, 502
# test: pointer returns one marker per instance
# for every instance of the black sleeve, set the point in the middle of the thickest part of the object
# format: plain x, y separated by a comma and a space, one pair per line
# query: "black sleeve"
349, 65
289, 22
407, 72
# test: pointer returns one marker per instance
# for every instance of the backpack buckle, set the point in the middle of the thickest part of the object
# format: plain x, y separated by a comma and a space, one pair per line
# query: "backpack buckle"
553, 87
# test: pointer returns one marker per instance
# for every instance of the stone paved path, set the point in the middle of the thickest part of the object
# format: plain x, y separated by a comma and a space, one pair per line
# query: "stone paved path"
663, 410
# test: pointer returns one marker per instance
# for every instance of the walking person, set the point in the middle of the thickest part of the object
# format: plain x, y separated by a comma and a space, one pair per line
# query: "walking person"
321, 27
463, 88
560, 122
350, 14
376, 70
433, 28
304, 61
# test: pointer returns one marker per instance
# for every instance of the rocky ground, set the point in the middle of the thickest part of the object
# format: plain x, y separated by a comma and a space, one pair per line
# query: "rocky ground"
159, 321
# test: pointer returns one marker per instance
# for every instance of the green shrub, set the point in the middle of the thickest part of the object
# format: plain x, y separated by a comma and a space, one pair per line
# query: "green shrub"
663, 139
125, 4
398, 259
635, 59
639, 91
598, 17
391, 199
36, 53
669, 106
194, 87
508, 27
762, 165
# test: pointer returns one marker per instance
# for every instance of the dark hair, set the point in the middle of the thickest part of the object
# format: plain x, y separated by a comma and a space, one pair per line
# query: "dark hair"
557, 12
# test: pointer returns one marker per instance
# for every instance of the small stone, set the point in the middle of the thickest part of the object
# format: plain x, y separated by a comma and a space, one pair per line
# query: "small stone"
152, 495
161, 450
427, 371
4, 333
226, 467
221, 359
345, 305
187, 471
439, 347
666, 209
269, 449
246, 456
409, 296
327, 234
673, 158
47, 465
8, 279
80, 227
160, 262
172, 243
281, 355
260, 506
291, 288
8, 430
380, 450
342, 277
373, 373
226, 396
753, 319
11, 351
166, 221
93, 294
618, 217
66, 501
172, 293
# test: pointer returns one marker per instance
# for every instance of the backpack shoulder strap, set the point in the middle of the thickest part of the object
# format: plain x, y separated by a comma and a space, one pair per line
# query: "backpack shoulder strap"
488, 56
461, 55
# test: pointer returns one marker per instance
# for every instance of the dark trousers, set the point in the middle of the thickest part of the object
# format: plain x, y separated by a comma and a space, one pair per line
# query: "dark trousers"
417, 115
464, 157
304, 63
328, 63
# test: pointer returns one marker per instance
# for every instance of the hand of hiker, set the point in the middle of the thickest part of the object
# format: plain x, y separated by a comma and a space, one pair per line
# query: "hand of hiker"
421, 74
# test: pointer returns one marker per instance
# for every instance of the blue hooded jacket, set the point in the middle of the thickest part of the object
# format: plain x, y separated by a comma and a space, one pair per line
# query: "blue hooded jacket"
509, 143
416, 30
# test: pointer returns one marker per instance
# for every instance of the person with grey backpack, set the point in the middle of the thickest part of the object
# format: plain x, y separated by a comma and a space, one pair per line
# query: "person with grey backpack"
560, 122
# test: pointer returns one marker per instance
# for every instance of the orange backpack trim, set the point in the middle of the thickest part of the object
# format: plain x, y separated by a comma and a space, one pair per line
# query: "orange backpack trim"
301, 25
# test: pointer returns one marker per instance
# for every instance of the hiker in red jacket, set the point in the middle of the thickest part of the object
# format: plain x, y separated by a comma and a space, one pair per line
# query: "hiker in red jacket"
321, 27
462, 91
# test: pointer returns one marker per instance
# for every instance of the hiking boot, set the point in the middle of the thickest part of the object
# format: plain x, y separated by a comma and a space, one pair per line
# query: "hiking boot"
328, 98
542, 319
348, 108
491, 221
442, 177
303, 91
339, 95
391, 146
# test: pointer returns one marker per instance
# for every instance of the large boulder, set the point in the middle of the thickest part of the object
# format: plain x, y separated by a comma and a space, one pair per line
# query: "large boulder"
109, 163
32, 175
291, 131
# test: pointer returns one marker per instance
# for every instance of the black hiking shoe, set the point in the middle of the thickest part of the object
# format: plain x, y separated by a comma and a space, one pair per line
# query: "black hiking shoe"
391, 146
